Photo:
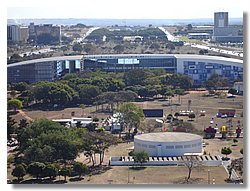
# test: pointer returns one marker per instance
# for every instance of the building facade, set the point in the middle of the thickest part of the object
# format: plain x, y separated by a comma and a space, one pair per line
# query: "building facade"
45, 69
44, 34
220, 19
198, 67
224, 33
168, 144
13, 33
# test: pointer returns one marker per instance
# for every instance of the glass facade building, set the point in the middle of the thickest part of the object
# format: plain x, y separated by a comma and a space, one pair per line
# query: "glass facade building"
198, 67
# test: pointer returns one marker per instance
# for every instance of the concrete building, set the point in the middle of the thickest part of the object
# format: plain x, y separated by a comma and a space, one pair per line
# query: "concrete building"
24, 33
44, 34
198, 67
13, 33
223, 32
47, 69
199, 35
220, 19
168, 144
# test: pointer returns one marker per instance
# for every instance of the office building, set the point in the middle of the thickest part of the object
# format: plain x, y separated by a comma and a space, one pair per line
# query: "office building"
223, 32
198, 67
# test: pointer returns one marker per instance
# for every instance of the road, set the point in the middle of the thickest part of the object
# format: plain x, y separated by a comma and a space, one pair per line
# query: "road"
203, 46
86, 34
169, 36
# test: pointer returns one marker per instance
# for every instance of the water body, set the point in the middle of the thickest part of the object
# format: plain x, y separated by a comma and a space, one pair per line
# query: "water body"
122, 22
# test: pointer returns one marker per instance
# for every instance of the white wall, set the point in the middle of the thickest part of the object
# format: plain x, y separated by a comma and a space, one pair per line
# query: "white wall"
163, 148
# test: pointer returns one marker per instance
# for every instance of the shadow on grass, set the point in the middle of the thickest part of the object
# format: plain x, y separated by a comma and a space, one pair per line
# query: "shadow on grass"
190, 181
137, 168
37, 181
75, 179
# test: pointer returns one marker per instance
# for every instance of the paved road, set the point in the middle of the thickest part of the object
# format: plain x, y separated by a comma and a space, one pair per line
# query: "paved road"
203, 46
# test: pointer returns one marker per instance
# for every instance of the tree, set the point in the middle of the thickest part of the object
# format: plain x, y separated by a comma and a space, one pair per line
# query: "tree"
148, 126
140, 157
235, 141
191, 116
87, 92
15, 104
170, 46
36, 169
226, 151
136, 77
177, 114
216, 81
190, 162
179, 92
241, 151
232, 91
89, 48
51, 170
21, 86
80, 168
155, 46
19, 171
82, 106
11, 126
77, 47
118, 48
130, 116
65, 171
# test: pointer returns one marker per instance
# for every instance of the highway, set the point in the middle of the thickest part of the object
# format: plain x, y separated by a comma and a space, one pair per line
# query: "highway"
206, 47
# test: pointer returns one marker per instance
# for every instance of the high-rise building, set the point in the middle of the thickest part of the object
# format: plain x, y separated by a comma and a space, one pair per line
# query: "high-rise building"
223, 32
44, 34
13, 33
24, 33
220, 19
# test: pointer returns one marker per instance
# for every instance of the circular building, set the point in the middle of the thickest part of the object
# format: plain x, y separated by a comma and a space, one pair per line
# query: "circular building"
168, 143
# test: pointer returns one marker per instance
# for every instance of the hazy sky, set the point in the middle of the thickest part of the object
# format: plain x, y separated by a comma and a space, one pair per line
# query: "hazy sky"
124, 9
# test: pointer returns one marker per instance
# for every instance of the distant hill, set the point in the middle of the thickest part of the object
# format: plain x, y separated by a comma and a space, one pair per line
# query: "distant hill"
122, 22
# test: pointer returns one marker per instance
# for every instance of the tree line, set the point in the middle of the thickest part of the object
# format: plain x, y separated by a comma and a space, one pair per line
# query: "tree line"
101, 88
47, 149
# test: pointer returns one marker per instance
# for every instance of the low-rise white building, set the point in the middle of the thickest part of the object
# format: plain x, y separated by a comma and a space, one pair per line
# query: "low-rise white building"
168, 143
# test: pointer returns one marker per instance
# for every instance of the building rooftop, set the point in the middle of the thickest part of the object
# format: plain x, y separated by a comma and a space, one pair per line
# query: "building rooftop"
103, 56
168, 137
49, 59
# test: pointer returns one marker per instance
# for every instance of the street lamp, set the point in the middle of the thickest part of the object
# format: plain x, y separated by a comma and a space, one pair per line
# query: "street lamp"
128, 173
208, 176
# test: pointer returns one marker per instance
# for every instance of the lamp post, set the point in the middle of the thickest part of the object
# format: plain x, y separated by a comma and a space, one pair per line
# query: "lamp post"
128, 173
208, 176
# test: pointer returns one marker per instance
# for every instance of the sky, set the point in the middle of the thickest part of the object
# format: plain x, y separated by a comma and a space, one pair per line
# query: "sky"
124, 9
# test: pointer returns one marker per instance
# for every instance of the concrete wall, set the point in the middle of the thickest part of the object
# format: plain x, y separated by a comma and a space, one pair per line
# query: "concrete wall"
165, 161
168, 148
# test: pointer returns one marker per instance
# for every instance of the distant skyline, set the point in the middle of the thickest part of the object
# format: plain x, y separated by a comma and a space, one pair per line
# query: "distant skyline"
129, 9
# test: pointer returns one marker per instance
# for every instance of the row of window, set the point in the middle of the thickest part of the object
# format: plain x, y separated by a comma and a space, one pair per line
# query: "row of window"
170, 146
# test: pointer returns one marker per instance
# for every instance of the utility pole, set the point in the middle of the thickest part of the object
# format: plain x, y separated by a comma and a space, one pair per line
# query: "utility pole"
128, 173
208, 176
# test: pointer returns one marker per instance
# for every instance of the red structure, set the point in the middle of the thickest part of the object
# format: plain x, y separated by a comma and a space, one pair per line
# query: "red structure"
238, 131
210, 132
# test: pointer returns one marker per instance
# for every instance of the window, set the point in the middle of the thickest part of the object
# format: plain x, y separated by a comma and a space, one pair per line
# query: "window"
143, 145
178, 146
151, 146
194, 145
170, 147
187, 146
